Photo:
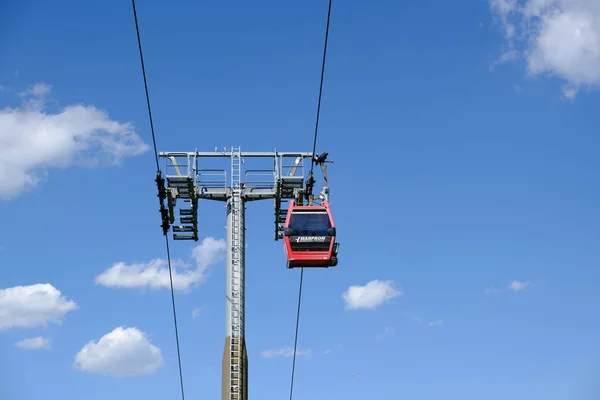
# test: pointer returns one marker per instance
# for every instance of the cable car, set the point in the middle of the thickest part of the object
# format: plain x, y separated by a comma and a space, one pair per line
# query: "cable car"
309, 236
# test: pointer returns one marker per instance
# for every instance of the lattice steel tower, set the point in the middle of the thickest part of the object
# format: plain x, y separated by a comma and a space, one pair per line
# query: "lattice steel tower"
187, 183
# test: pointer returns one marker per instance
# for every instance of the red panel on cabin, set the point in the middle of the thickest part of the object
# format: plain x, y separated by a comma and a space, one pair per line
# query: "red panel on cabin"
309, 236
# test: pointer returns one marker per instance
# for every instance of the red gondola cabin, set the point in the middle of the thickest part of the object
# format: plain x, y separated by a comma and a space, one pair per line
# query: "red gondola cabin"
309, 236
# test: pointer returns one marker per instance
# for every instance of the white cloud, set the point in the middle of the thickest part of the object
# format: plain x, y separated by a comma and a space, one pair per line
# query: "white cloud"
514, 285
372, 295
33, 140
122, 352
155, 273
435, 323
326, 351
32, 306
34, 343
555, 37
209, 252
196, 311
388, 331
284, 352
491, 290
517, 285
36, 92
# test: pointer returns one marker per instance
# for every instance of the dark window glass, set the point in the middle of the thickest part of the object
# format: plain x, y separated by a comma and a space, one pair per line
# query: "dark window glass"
310, 223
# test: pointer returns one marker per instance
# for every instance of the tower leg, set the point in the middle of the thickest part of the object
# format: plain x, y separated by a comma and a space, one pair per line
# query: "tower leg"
227, 375
235, 359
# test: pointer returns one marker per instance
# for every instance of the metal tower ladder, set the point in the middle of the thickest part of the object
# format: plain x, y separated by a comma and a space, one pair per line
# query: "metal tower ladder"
237, 307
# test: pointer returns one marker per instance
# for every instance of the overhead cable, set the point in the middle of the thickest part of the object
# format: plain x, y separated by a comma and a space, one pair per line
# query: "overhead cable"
310, 175
137, 29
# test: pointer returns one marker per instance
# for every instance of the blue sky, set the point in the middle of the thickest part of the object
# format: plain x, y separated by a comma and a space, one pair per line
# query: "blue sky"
464, 190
